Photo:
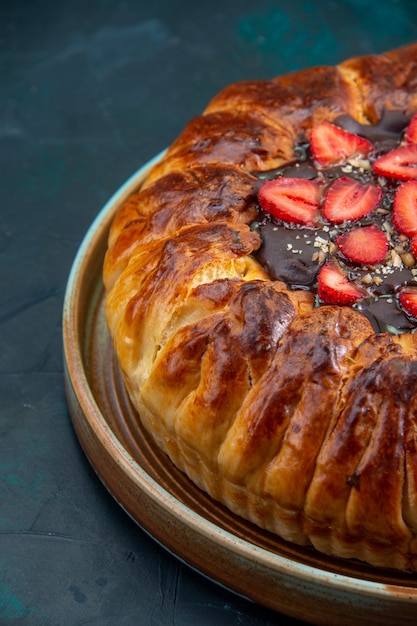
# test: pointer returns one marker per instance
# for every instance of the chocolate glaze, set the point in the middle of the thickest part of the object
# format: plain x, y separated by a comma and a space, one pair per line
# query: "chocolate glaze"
385, 315
384, 135
286, 254
292, 254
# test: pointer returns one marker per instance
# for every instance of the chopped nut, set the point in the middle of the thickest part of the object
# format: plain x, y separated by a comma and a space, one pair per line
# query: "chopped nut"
377, 280
322, 256
321, 243
362, 164
367, 279
400, 248
396, 259
388, 227
408, 259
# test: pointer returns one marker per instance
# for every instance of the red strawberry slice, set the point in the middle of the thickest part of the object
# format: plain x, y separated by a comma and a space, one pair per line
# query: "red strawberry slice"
349, 199
404, 214
413, 246
400, 164
410, 135
334, 286
366, 245
331, 145
293, 200
408, 300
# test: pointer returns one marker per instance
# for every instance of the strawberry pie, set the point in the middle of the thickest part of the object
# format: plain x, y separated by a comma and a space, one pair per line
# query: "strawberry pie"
262, 303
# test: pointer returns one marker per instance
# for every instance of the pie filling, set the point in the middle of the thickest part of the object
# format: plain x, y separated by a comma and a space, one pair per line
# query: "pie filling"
366, 257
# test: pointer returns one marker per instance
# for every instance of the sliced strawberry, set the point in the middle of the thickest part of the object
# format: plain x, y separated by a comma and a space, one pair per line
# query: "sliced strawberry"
400, 164
334, 286
404, 215
410, 135
331, 145
413, 246
366, 245
293, 200
408, 300
349, 199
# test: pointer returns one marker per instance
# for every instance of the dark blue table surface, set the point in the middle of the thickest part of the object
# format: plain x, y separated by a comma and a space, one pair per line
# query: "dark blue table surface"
89, 92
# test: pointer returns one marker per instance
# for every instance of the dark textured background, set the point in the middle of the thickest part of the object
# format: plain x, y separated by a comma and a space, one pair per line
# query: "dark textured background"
90, 91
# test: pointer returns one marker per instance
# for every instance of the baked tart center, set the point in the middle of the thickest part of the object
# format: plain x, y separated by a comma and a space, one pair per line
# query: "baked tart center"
341, 220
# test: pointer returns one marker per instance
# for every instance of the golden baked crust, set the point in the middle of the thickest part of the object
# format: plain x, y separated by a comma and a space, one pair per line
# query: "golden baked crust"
300, 419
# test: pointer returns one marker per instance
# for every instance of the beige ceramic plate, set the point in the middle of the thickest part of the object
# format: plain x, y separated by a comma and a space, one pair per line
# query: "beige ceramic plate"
292, 580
